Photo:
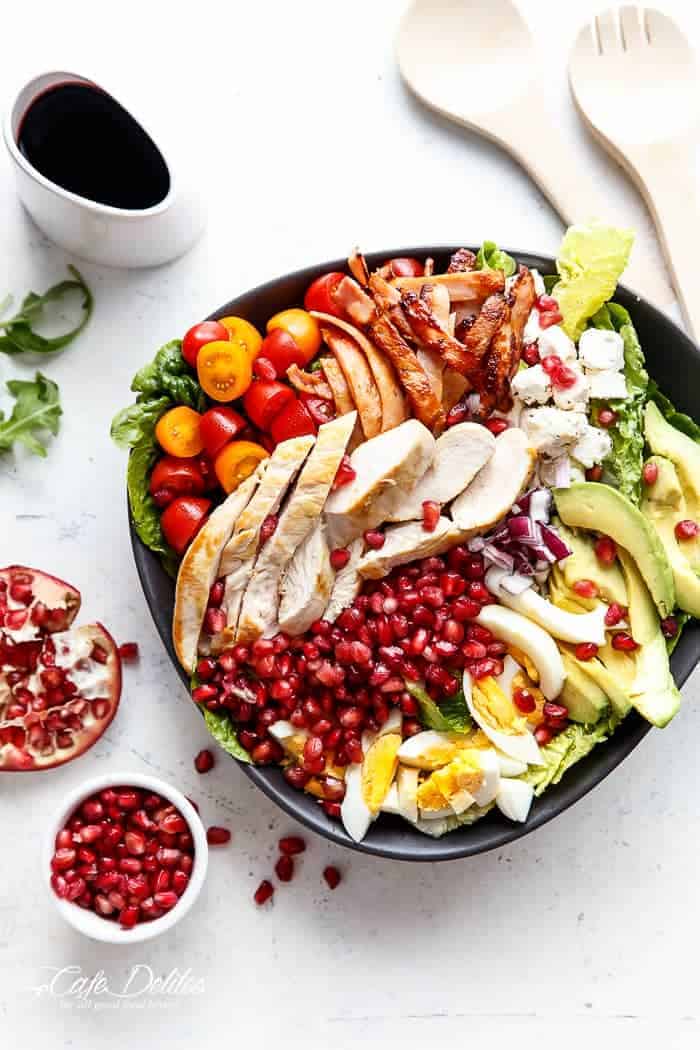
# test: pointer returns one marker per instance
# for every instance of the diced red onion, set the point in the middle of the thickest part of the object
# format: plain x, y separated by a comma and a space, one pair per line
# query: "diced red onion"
476, 544
523, 529
497, 556
554, 543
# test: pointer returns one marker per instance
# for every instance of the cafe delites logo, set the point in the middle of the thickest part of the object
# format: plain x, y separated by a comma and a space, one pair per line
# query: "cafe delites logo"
140, 987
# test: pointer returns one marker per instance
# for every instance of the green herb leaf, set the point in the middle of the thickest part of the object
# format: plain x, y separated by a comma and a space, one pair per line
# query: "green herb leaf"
221, 728
451, 716
37, 408
491, 257
18, 334
168, 374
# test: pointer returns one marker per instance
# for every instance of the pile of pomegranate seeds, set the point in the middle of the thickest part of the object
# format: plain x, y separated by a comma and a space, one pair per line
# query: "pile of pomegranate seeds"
125, 854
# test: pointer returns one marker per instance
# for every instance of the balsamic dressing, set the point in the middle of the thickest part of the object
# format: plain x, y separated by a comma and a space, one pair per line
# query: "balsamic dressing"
80, 138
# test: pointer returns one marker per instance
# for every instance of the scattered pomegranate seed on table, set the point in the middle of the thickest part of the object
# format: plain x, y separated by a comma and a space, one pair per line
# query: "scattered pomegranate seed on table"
284, 868
129, 651
204, 761
264, 892
217, 836
332, 876
291, 845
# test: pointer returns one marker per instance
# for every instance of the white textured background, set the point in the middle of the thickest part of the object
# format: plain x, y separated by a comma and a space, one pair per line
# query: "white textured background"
309, 144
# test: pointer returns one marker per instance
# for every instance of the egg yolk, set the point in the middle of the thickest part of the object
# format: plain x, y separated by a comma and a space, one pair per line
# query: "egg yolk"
378, 769
495, 708
524, 660
463, 773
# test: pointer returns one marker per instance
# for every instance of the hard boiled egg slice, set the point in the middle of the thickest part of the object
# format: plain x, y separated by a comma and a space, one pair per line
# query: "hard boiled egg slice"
367, 783
567, 626
472, 776
427, 750
407, 792
521, 632
496, 714
291, 738
391, 801
514, 799
354, 811
510, 767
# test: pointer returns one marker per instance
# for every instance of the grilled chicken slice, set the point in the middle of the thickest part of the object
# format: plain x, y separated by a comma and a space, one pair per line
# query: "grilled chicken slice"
299, 517
385, 468
358, 376
471, 286
199, 569
437, 299
486, 323
454, 386
349, 297
462, 260
346, 585
312, 383
523, 297
405, 543
339, 386
495, 388
307, 584
357, 265
460, 454
426, 406
393, 402
497, 486
430, 336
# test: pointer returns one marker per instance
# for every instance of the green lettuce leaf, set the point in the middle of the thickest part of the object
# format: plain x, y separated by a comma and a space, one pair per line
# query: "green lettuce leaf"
679, 420
491, 257
18, 335
569, 747
221, 728
591, 260
37, 409
451, 716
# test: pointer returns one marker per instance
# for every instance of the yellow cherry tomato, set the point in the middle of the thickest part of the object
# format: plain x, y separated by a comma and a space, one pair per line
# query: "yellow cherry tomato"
236, 462
243, 333
303, 329
177, 432
224, 370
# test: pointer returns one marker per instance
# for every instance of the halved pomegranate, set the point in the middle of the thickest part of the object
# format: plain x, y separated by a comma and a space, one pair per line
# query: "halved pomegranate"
59, 687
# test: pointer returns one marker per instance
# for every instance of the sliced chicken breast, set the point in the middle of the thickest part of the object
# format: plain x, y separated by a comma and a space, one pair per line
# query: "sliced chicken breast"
463, 285
359, 378
497, 486
346, 585
454, 386
339, 386
354, 301
199, 570
437, 298
385, 468
460, 453
300, 515
405, 543
307, 584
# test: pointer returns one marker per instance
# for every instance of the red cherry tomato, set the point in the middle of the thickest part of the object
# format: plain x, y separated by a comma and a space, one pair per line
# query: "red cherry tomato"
182, 520
282, 350
264, 399
219, 426
320, 410
406, 267
319, 294
293, 421
173, 477
199, 336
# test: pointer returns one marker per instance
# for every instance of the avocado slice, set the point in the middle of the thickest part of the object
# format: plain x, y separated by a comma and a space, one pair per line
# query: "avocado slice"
582, 564
684, 453
653, 691
585, 699
590, 505
604, 677
664, 505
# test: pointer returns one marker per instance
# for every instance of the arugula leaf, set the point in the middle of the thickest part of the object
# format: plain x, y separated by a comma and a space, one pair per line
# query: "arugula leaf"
169, 374
221, 728
19, 335
37, 408
451, 716
491, 257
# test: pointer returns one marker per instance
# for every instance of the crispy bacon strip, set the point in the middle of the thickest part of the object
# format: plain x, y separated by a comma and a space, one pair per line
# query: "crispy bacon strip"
415, 382
339, 386
463, 286
309, 383
462, 260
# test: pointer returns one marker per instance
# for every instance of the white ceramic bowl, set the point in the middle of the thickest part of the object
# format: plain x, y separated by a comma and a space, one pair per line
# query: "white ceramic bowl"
88, 922
119, 237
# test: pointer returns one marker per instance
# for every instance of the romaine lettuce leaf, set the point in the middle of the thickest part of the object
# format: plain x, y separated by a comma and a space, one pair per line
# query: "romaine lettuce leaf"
450, 716
567, 748
591, 260
221, 728
491, 257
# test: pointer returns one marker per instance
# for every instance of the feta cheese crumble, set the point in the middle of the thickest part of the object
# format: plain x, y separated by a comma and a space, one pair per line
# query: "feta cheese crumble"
601, 351
608, 385
554, 340
552, 431
532, 385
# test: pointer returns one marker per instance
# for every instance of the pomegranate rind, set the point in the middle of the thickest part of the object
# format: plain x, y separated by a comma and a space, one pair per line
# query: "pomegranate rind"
22, 760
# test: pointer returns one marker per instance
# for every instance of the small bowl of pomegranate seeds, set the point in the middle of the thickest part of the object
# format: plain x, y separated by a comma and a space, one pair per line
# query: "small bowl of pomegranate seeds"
125, 858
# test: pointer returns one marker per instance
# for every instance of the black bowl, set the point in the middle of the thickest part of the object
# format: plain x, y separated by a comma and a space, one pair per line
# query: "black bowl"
674, 361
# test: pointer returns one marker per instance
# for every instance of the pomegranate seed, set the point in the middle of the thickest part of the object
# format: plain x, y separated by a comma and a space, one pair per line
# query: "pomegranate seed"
374, 539
264, 892
204, 761
431, 515
169, 858
524, 701
594, 473
266, 752
686, 530
585, 588
607, 418
457, 414
63, 859
332, 876
331, 809
339, 558
478, 592
496, 426
214, 621
551, 364
179, 881
606, 550
345, 473
624, 642
173, 824
218, 836
555, 712
586, 650
128, 917
284, 868
296, 776
204, 693
268, 528
530, 354
543, 735
291, 845
614, 614
650, 473
129, 651
465, 609
474, 650
669, 626
564, 378
483, 669
166, 900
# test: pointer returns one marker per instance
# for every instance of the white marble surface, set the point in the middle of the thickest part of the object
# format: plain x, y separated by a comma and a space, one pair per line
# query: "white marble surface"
587, 929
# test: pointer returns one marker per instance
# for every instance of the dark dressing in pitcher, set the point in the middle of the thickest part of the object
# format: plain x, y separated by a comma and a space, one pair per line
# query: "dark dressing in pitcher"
80, 138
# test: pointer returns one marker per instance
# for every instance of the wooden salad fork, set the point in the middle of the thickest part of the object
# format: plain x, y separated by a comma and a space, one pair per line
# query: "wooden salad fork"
633, 77
474, 62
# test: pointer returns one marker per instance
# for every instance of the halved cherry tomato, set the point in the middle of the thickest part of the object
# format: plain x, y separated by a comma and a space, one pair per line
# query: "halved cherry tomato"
242, 333
219, 426
292, 421
264, 399
183, 519
303, 329
173, 477
319, 294
282, 350
198, 336
236, 462
224, 370
406, 267
177, 432
320, 410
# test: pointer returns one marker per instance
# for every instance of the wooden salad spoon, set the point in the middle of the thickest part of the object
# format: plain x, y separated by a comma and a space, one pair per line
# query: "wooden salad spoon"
474, 62
633, 77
